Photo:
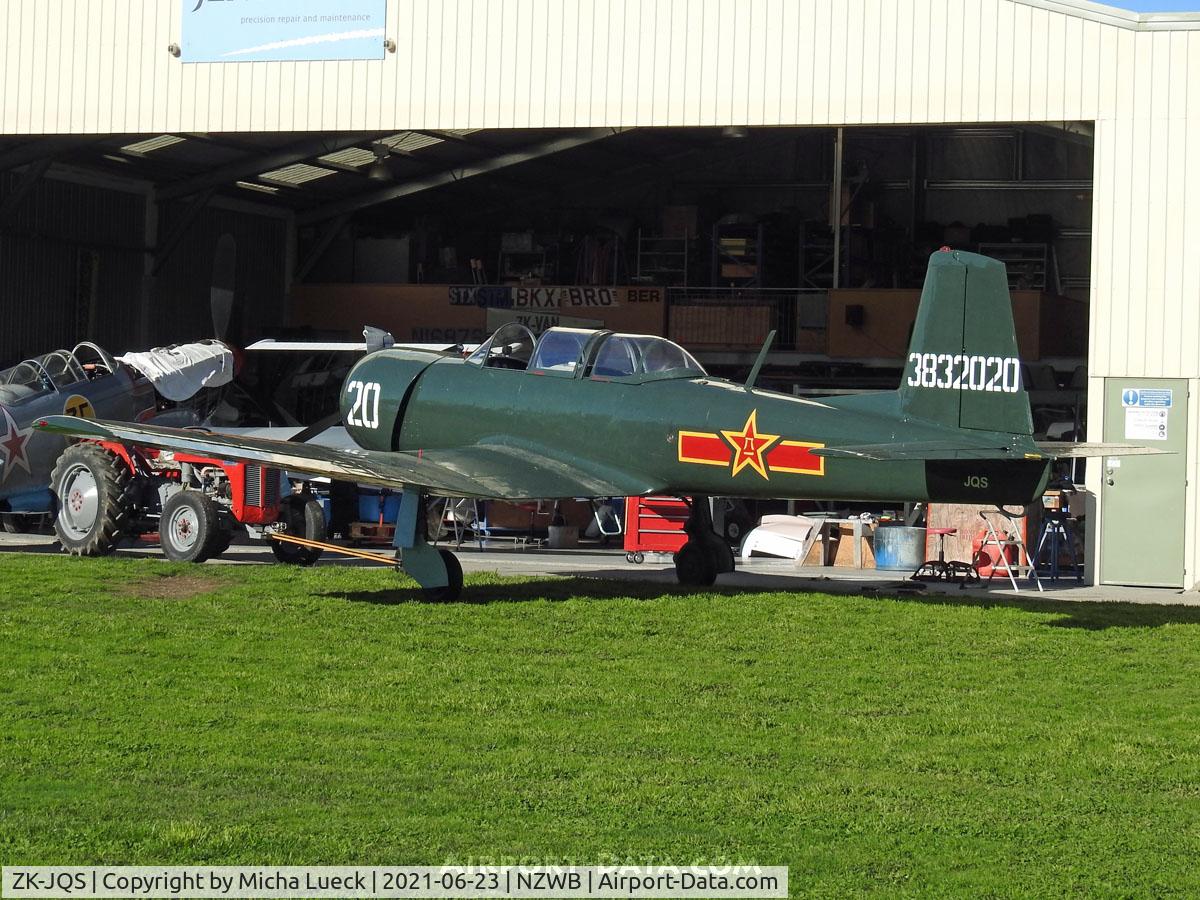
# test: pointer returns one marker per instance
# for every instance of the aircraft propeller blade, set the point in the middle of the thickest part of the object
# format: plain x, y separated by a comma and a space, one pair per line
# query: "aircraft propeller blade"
224, 277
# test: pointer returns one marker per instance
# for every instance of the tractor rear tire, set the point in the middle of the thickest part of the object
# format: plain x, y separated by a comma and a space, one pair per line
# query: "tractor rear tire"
94, 494
304, 517
190, 527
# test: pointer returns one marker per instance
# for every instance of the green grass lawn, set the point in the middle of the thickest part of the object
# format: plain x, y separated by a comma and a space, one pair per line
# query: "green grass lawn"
152, 713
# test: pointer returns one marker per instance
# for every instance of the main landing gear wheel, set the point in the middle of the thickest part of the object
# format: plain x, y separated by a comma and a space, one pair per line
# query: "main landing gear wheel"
454, 575
94, 492
189, 529
706, 554
694, 566
304, 517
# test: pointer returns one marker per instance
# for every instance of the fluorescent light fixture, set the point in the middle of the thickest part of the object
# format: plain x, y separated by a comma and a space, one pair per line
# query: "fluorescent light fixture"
298, 173
408, 141
351, 157
261, 188
149, 145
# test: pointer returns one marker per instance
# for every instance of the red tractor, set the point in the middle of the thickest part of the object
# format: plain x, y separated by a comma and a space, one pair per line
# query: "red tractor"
107, 492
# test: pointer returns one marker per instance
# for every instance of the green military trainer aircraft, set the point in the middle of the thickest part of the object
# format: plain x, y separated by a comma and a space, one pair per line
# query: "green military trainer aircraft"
582, 413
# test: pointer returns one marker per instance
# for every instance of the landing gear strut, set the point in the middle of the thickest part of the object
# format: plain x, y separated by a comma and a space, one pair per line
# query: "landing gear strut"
705, 555
435, 569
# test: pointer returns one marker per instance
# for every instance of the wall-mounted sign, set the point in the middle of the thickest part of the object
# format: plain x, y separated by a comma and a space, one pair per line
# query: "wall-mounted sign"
271, 30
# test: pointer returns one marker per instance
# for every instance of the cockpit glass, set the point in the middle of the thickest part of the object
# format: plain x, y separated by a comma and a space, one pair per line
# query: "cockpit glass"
560, 350
617, 358
640, 354
509, 348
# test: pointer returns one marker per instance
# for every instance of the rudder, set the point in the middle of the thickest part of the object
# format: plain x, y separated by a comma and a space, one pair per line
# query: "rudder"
963, 367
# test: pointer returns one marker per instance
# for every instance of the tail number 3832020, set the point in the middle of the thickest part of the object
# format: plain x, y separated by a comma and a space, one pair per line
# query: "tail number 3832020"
959, 372
364, 411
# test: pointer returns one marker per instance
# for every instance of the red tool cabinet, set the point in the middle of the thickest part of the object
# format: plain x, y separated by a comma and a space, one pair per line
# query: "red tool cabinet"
654, 524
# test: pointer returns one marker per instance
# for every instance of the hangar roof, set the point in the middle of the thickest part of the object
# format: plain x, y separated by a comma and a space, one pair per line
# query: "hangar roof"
326, 175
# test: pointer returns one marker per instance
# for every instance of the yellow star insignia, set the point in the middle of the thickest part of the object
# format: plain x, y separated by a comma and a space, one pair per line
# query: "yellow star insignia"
749, 445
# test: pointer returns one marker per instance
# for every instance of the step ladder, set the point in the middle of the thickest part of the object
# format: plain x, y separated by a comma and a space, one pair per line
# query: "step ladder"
1003, 532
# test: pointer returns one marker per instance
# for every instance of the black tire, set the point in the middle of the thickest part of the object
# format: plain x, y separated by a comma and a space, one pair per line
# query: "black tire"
304, 517
14, 524
454, 575
190, 527
736, 527
94, 494
221, 542
694, 567
639, 557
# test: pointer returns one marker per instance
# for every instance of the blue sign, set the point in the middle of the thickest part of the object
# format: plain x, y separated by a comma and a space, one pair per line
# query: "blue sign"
272, 30
1157, 398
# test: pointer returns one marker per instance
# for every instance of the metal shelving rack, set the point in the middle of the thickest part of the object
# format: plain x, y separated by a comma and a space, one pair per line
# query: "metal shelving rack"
662, 260
1028, 264
737, 255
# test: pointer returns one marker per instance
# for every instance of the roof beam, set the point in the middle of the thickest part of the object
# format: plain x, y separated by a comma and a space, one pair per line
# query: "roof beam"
179, 230
332, 230
23, 188
43, 148
437, 179
241, 169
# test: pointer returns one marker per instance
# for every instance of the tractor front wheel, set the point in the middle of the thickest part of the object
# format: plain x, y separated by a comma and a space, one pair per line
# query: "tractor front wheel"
190, 527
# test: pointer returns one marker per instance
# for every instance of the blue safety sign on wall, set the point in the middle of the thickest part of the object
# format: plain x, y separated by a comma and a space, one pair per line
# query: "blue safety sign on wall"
272, 30
1157, 398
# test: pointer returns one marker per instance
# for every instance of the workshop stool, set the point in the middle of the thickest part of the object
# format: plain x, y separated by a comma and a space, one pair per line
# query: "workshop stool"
942, 570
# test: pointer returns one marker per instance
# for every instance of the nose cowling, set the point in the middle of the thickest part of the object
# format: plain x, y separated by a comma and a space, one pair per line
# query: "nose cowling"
374, 392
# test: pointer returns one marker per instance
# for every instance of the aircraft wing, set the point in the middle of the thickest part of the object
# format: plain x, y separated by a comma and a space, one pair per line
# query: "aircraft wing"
481, 471
351, 346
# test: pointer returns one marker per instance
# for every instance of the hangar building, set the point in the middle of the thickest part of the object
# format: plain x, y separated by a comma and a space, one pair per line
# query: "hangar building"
709, 169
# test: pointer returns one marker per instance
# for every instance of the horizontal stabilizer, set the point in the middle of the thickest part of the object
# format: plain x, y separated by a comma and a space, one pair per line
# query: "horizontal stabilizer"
920, 450
1066, 450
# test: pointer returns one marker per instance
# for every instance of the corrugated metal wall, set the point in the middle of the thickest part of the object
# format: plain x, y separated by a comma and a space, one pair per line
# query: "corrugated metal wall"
72, 263
70, 268
182, 295
75, 66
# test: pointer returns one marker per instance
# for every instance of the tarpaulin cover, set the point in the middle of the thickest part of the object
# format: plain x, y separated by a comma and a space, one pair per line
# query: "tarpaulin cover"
179, 372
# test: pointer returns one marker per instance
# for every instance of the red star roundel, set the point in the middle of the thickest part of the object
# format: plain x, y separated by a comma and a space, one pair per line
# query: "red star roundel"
750, 448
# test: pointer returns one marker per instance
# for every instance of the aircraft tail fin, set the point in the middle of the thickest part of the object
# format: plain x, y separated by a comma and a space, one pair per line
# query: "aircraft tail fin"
963, 369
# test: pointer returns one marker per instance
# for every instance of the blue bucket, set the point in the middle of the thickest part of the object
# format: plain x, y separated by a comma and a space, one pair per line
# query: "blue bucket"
372, 503
899, 547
